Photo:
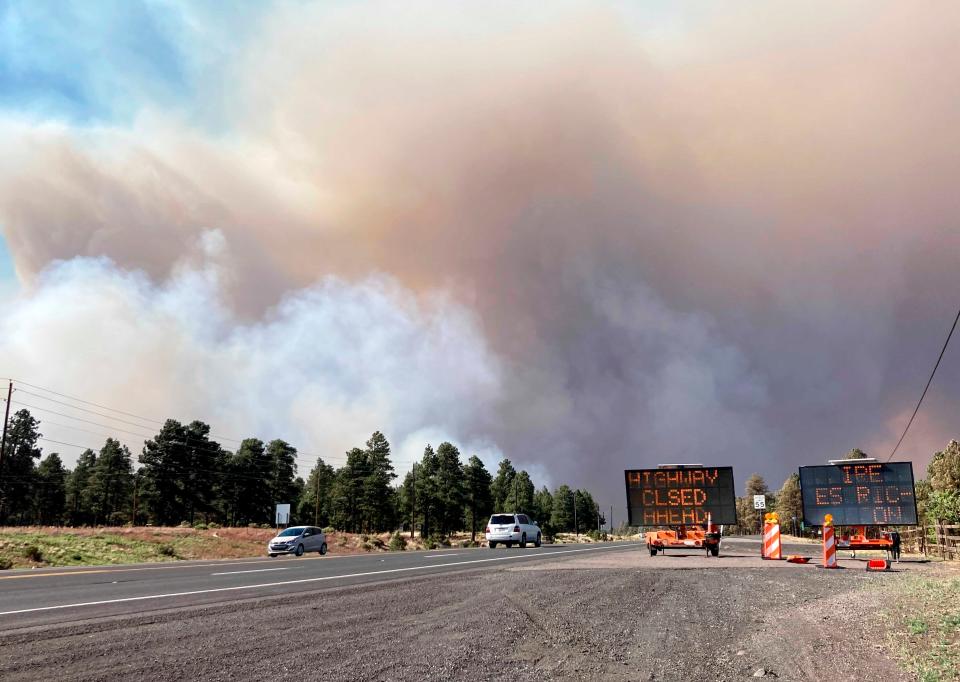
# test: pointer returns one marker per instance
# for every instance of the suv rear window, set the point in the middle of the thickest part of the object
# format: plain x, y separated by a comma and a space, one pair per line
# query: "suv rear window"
501, 519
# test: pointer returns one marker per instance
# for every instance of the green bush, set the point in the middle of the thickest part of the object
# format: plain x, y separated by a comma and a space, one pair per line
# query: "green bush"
5, 564
33, 553
167, 550
597, 536
77, 557
398, 543
184, 524
199, 526
329, 529
213, 526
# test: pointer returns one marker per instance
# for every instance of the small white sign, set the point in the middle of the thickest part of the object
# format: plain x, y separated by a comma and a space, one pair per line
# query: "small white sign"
759, 501
283, 514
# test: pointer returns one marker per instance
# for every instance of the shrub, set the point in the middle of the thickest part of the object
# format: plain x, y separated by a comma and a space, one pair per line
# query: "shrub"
5, 564
200, 526
184, 524
167, 550
77, 557
213, 526
597, 536
329, 529
33, 553
398, 543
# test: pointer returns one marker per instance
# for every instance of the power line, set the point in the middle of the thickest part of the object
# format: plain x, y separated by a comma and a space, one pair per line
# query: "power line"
306, 458
925, 388
88, 402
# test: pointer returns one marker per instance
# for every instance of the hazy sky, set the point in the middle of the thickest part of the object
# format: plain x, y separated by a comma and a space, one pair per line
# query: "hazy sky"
587, 237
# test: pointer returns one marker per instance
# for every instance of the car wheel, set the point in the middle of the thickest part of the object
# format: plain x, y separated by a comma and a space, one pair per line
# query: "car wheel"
539, 540
273, 556
493, 545
523, 541
323, 549
299, 551
509, 545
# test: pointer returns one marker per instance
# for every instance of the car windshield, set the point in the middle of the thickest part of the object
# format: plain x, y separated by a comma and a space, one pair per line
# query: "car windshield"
501, 518
291, 532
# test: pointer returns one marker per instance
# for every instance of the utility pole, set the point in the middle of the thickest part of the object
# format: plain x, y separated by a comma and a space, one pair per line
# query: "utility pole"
576, 527
3, 444
316, 506
610, 521
136, 481
598, 516
413, 500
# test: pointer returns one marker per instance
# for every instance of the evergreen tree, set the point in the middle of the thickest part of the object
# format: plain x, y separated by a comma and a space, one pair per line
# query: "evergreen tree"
543, 506
451, 489
855, 453
378, 498
50, 500
283, 472
748, 517
18, 473
479, 501
587, 512
347, 494
502, 487
182, 472
110, 485
790, 503
315, 506
247, 477
79, 509
426, 491
562, 517
522, 493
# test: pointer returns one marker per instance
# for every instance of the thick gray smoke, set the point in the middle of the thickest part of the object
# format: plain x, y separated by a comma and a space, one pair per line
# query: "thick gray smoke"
567, 238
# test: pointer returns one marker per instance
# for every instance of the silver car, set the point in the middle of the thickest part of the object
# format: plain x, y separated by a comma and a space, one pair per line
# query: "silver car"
297, 540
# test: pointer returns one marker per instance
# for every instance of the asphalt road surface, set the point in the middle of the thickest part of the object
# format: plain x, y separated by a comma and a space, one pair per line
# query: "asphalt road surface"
587, 612
57, 595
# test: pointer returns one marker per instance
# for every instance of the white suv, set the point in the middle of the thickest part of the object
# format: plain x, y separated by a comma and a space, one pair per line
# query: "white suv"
512, 528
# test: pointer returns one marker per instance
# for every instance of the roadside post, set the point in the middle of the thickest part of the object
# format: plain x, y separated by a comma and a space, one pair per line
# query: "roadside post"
760, 502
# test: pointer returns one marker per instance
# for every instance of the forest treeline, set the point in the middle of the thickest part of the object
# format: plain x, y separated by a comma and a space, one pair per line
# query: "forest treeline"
185, 476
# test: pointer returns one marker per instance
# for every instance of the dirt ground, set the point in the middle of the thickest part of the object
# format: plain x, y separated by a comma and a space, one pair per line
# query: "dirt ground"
619, 616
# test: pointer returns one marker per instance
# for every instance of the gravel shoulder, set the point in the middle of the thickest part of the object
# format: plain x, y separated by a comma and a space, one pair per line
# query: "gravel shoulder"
619, 616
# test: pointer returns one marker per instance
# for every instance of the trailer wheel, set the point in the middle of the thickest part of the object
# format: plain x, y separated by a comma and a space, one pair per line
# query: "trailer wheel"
653, 550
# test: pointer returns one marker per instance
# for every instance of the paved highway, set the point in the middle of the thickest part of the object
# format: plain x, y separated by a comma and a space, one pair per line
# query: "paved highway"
59, 595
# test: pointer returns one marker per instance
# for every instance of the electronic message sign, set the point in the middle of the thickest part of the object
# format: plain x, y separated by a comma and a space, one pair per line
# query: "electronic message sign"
677, 497
868, 494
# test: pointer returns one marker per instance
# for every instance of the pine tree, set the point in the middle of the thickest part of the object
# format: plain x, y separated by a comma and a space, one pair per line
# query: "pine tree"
427, 492
522, 493
451, 489
247, 477
479, 501
50, 495
110, 485
18, 473
314, 504
790, 503
502, 487
542, 506
378, 499
79, 511
347, 494
283, 473
562, 517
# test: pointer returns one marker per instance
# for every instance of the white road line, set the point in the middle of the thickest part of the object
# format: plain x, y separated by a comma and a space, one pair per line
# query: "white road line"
439, 556
256, 570
303, 580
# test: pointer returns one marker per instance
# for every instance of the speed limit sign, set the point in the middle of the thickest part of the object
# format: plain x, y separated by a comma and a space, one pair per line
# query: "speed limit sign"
759, 501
